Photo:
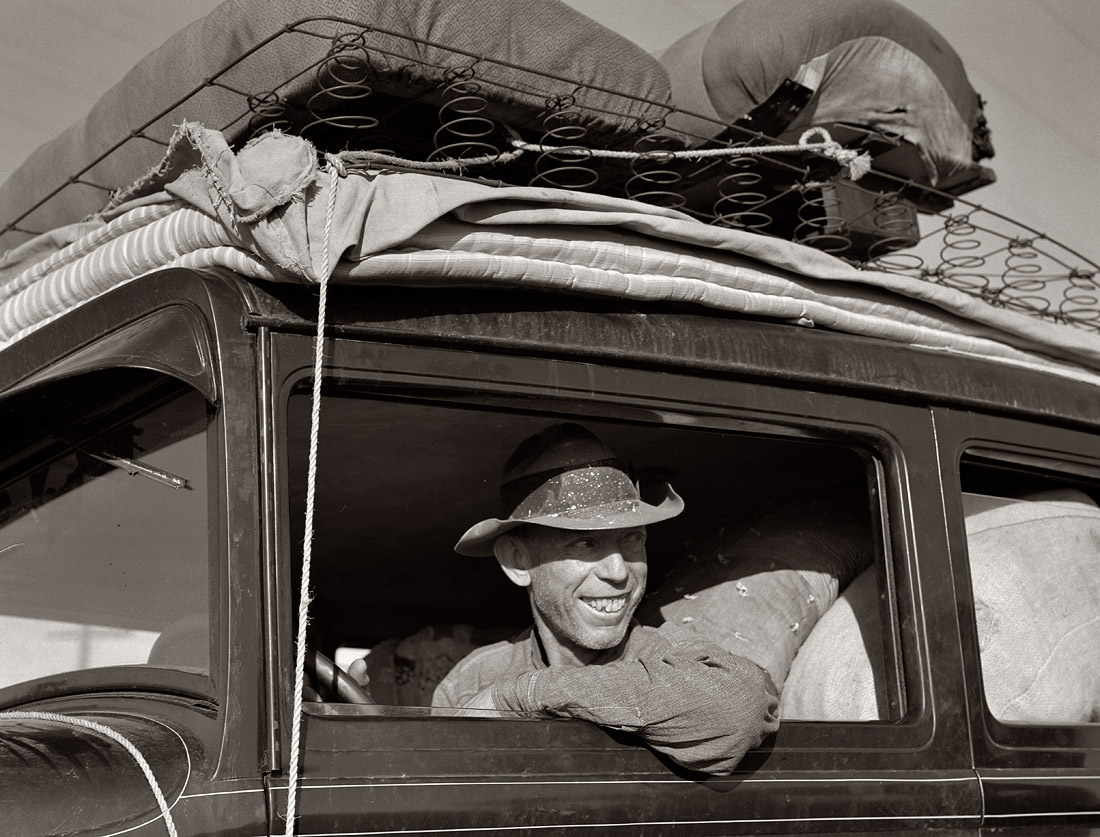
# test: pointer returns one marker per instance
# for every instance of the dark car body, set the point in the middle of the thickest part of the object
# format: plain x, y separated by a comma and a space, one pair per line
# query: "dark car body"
425, 392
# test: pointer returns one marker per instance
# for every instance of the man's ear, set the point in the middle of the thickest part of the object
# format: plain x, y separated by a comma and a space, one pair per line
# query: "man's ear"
513, 556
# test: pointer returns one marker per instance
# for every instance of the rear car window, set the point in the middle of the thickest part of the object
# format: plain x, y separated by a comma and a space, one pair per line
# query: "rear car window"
1033, 542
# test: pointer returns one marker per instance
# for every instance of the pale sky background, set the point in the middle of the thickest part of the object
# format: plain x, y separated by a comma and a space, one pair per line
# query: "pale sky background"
1036, 62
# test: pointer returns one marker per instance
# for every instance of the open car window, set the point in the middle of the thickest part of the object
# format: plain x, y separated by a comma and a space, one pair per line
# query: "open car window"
778, 555
104, 538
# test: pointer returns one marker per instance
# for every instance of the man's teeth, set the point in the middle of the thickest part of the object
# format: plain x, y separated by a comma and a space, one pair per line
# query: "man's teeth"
607, 605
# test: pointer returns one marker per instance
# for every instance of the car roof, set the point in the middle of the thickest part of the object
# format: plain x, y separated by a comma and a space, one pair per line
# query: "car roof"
680, 337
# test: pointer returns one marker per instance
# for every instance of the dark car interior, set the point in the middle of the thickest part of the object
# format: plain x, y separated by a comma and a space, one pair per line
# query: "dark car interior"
401, 478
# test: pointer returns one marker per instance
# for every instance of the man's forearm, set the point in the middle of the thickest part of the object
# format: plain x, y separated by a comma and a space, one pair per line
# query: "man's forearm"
694, 702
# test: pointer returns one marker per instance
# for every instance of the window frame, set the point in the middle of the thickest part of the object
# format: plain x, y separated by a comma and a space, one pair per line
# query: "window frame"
197, 326
921, 738
1000, 743
1036, 779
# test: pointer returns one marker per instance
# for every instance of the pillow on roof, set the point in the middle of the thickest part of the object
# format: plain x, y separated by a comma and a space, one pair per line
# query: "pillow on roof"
867, 62
287, 86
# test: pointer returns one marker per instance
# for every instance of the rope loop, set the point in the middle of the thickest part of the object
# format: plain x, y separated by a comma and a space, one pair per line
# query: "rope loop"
855, 163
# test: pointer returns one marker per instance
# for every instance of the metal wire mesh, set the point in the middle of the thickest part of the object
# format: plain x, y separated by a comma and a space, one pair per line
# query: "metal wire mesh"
384, 92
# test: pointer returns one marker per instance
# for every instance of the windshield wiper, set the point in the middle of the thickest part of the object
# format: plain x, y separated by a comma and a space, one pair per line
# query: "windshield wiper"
140, 469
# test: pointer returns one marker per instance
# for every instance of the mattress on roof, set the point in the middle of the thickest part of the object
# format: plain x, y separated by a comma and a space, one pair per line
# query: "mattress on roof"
277, 77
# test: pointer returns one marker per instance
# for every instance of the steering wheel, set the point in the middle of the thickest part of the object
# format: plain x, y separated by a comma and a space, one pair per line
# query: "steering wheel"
332, 679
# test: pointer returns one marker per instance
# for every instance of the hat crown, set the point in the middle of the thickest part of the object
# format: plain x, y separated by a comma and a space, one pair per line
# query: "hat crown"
558, 446
566, 478
565, 469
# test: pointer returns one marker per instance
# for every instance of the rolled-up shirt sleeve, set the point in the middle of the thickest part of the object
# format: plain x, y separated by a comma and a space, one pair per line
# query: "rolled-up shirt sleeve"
688, 699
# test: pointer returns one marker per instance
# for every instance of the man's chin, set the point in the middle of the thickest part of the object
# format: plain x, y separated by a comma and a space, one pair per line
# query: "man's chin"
586, 631
603, 637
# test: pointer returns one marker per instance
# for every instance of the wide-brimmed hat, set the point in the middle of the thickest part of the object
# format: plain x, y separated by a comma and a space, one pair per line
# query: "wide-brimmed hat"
565, 477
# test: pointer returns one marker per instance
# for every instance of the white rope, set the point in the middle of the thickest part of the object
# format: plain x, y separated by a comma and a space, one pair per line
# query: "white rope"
117, 737
856, 163
360, 158
335, 171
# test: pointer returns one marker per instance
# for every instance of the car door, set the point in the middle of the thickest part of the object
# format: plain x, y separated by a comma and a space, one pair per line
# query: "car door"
1025, 541
411, 441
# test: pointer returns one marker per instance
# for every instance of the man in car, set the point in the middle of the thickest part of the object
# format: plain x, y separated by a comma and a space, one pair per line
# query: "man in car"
574, 536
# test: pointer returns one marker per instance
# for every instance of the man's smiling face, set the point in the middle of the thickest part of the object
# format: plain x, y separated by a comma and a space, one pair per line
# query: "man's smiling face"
585, 585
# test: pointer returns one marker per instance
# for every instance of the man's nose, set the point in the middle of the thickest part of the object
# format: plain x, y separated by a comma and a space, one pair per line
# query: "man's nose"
612, 566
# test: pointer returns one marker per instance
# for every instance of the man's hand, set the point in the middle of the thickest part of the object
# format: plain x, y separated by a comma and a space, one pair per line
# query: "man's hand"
358, 672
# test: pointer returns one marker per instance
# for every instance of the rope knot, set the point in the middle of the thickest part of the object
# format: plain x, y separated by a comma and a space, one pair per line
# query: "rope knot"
855, 163
337, 163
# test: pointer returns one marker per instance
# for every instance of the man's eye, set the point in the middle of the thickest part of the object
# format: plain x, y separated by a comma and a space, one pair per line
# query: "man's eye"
634, 539
584, 543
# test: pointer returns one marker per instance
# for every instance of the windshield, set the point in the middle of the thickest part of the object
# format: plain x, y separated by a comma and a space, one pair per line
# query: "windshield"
103, 528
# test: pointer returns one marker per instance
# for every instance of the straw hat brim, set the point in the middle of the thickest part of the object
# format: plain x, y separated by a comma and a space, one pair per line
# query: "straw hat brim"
479, 538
